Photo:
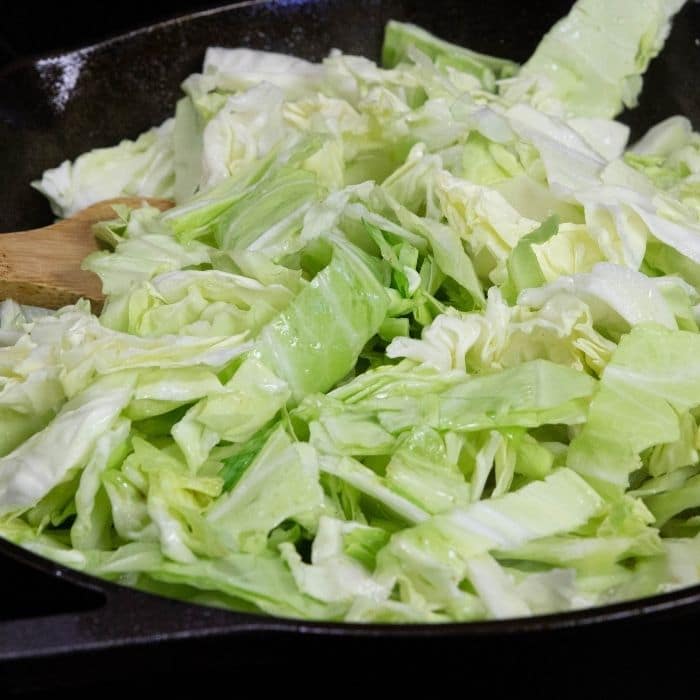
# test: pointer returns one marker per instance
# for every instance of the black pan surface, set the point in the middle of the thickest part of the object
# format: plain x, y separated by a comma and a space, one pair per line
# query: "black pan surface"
58, 627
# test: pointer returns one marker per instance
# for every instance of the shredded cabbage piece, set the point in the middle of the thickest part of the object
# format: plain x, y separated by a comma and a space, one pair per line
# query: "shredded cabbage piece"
418, 342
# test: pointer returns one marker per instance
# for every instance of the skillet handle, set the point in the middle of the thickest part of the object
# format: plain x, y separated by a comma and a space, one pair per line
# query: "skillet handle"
128, 618
61, 627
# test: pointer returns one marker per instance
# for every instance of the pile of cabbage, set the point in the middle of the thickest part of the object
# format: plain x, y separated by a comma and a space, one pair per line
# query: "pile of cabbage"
418, 342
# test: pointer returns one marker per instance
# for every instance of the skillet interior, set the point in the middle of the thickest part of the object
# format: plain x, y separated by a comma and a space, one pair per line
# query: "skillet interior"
57, 107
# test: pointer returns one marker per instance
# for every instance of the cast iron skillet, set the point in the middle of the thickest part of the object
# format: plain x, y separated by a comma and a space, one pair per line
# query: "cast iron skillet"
59, 626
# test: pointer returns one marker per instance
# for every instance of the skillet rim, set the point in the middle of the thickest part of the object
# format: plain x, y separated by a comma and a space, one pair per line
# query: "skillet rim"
111, 40
225, 622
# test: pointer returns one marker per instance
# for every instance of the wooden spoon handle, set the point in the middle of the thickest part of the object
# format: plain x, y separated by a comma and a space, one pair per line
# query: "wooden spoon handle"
42, 267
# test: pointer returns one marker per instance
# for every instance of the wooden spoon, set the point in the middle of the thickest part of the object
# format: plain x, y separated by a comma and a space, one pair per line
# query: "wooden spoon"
42, 267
